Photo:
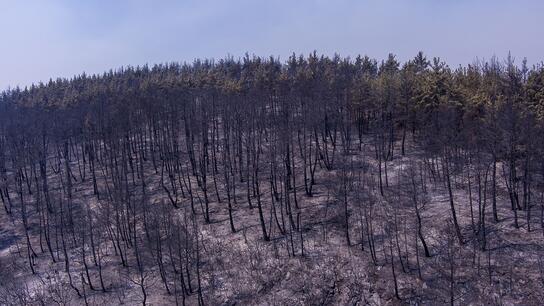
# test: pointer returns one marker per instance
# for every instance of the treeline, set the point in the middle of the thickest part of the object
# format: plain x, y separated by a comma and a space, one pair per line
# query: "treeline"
129, 164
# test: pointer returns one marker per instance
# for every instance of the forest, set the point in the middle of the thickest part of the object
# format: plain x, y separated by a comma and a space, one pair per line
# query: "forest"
316, 180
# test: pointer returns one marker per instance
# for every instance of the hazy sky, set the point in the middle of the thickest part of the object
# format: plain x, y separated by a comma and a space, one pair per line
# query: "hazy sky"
48, 39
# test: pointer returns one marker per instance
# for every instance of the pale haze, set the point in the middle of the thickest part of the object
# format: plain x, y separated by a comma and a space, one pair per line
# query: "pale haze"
49, 39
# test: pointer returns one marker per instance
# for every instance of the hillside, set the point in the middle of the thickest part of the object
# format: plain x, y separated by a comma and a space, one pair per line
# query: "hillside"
312, 182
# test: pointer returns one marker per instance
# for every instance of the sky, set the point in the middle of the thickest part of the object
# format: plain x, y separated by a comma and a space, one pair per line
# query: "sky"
43, 39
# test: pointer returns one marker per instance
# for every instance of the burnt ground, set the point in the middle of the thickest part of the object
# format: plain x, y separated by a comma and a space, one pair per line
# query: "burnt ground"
243, 269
